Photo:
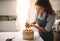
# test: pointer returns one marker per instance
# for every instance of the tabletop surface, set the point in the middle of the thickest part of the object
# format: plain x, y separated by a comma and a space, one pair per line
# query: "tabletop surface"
18, 36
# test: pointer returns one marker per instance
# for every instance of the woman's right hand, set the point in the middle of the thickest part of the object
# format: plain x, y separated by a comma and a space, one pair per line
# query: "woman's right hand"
27, 25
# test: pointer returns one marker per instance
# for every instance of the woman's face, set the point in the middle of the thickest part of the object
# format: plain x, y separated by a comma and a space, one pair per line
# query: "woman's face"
40, 9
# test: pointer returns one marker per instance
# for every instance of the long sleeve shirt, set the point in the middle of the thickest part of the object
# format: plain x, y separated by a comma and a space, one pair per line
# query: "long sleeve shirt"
50, 20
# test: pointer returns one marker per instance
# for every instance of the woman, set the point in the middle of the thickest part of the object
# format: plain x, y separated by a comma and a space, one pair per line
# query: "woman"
45, 18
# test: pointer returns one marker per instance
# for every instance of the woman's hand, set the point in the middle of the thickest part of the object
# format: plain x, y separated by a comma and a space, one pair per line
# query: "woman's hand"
36, 26
39, 28
27, 25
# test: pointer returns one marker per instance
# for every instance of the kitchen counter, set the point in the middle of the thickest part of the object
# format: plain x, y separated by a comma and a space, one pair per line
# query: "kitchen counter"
18, 36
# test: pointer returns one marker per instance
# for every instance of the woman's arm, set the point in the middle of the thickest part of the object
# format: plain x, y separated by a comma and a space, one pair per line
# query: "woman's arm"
39, 28
33, 22
50, 20
36, 26
48, 27
29, 24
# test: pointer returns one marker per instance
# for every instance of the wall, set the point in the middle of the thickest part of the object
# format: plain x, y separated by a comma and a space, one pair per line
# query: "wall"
55, 4
32, 10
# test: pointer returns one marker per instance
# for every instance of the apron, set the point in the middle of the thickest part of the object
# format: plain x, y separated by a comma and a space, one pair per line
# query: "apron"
45, 36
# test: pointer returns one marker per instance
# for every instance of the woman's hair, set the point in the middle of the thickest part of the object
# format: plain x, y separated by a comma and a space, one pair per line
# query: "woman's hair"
46, 4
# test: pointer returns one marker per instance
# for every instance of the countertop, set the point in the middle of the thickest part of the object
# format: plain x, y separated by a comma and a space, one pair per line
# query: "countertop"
18, 36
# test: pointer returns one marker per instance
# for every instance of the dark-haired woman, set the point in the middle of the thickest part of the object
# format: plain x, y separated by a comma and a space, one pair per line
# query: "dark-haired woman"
45, 18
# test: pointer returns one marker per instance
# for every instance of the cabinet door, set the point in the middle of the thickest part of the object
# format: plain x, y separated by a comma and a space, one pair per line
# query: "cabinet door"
8, 15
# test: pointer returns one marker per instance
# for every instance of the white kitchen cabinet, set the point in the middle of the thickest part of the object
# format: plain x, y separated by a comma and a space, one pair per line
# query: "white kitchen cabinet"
9, 26
7, 13
8, 7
